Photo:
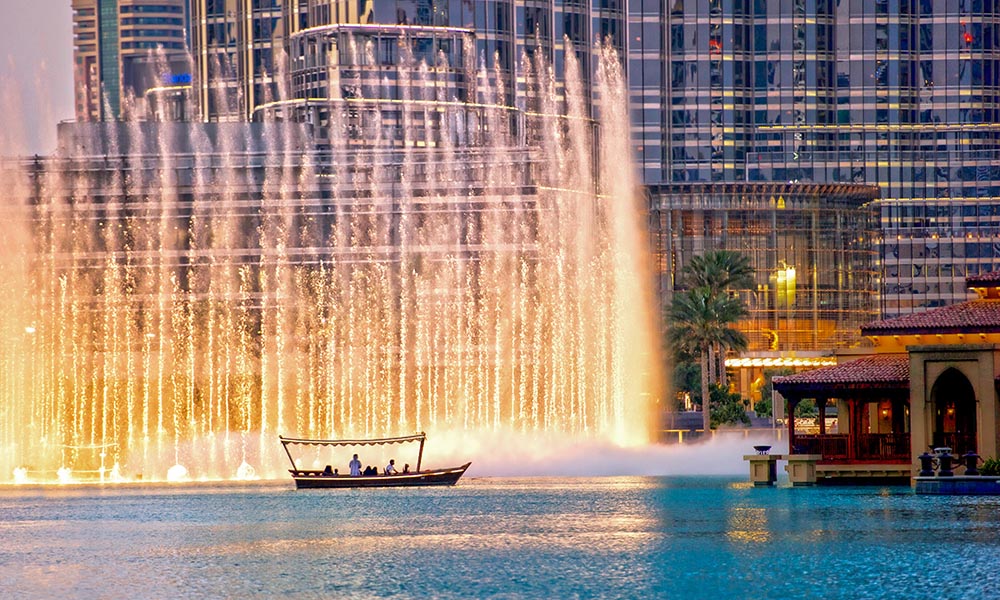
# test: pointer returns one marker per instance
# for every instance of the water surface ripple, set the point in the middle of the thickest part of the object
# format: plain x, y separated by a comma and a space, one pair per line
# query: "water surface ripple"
679, 537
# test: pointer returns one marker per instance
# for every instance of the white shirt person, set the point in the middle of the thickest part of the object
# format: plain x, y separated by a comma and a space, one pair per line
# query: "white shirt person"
390, 469
355, 465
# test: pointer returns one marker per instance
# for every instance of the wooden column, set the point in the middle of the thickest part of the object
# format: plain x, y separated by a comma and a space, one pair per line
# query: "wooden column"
791, 403
898, 410
854, 426
821, 404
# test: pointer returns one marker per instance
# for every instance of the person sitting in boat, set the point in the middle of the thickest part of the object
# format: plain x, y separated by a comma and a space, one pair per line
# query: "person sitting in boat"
406, 468
369, 470
328, 471
390, 469
355, 466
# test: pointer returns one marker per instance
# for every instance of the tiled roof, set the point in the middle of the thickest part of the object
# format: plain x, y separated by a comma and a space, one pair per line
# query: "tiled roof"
993, 277
879, 371
973, 316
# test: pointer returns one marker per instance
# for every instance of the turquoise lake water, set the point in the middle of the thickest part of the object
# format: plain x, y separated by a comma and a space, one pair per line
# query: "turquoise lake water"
675, 537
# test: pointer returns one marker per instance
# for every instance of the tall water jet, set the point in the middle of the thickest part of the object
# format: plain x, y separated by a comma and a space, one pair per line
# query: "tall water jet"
440, 263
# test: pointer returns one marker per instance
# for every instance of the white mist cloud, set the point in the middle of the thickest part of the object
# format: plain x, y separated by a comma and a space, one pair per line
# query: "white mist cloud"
505, 454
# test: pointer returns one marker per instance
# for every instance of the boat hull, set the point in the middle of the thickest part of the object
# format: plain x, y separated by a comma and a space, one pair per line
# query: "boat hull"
317, 480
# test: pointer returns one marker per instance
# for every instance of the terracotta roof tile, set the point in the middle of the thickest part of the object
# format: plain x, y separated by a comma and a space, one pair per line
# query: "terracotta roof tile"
973, 316
983, 278
878, 371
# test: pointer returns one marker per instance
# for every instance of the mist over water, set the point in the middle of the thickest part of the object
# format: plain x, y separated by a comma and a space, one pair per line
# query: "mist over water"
513, 455
181, 294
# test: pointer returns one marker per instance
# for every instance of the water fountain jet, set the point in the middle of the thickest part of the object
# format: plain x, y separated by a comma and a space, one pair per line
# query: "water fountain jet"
245, 472
178, 473
65, 475
198, 289
21, 476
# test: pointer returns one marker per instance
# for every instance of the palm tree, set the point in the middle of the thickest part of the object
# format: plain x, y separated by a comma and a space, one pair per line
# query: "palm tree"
701, 317
701, 321
721, 271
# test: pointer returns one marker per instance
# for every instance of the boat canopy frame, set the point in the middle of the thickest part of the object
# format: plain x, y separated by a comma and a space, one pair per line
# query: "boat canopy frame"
417, 437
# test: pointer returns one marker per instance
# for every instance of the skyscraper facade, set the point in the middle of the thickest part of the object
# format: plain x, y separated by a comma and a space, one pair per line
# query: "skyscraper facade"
234, 49
809, 246
122, 49
902, 94
238, 45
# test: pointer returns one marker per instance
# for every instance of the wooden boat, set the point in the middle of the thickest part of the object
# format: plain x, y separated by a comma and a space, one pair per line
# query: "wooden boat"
316, 478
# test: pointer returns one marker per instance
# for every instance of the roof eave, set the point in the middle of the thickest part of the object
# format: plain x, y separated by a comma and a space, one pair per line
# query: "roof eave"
965, 330
831, 387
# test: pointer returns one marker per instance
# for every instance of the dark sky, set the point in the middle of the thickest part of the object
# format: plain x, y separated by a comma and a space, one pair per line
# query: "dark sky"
36, 72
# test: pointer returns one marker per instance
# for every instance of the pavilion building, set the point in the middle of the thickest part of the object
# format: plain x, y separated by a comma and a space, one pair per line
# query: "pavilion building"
930, 380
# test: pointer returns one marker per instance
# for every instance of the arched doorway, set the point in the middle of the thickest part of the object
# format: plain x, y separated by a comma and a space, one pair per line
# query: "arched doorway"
954, 411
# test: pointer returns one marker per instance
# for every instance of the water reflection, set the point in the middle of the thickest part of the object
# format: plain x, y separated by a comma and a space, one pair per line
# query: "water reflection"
560, 537
748, 525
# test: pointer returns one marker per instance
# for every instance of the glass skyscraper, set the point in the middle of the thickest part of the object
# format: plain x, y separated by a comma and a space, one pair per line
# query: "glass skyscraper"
902, 94
238, 44
233, 45
124, 48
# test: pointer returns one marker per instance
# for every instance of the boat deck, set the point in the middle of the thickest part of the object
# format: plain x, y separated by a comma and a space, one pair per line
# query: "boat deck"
311, 478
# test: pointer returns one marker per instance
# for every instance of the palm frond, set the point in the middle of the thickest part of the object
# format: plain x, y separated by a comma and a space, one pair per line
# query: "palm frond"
719, 270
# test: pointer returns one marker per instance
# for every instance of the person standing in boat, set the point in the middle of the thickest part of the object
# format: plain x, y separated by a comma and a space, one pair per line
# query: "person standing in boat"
390, 469
355, 465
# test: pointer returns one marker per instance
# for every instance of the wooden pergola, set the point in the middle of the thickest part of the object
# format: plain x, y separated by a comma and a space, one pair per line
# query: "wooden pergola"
879, 378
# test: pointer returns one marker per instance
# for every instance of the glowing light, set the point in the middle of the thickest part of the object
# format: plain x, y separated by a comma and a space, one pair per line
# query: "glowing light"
21, 475
65, 475
781, 361
177, 473
785, 285
245, 472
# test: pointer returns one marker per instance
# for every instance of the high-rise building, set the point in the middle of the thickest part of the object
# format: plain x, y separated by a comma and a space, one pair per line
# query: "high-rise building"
238, 46
809, 246
902, 94
124, 48
234, 46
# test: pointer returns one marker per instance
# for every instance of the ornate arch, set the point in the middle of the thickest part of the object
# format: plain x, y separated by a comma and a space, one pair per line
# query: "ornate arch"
953, 416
